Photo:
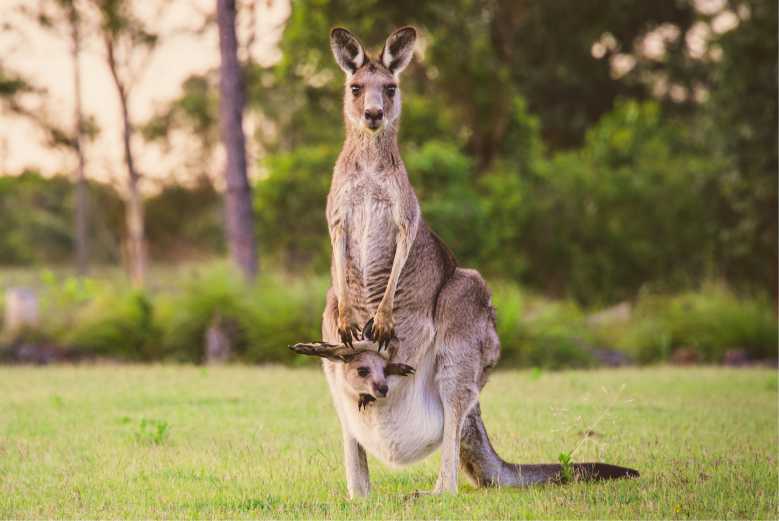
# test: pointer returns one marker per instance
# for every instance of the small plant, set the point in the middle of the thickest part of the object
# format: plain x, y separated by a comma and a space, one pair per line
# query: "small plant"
566, 467
566, 458
152, 432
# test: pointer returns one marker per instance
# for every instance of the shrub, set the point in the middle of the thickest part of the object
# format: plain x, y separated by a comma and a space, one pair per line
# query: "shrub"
711, 322
118, 323
281, 312
540, 333
185, 315
443, 178
261, 319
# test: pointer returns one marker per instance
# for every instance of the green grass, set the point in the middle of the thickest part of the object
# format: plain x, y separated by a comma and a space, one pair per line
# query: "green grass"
249, 442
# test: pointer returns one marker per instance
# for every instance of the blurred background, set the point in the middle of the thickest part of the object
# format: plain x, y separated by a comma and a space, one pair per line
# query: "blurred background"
611, 169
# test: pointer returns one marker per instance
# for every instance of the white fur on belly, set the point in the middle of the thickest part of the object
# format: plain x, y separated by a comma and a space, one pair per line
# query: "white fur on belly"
404, 427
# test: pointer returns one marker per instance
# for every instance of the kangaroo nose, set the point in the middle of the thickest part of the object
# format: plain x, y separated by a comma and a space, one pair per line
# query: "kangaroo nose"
382, 389
374, 115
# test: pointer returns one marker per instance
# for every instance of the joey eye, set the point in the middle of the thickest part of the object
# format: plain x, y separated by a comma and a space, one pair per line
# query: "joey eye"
390, 90
363, 371
356, 90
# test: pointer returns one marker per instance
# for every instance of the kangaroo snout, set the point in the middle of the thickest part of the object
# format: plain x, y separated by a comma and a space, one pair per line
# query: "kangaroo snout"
373, 117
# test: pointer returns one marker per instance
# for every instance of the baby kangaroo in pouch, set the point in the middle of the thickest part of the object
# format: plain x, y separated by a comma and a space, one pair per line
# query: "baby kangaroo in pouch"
365, 370
396, 287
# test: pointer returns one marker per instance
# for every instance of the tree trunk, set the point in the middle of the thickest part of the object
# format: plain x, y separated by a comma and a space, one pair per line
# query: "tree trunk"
134, 216
81, 210
238, 198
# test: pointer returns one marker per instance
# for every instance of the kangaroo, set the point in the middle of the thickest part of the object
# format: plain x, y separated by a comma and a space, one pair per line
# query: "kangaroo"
396, 283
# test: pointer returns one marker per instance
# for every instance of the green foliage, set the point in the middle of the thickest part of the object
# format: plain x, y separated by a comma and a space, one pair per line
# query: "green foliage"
553, 335
566, 467
117, 323
260, 320
632, 207
538, 333
443, 178
200, 234
743, 111
710, 322
213, 294
36, 213
103, 316
290, 203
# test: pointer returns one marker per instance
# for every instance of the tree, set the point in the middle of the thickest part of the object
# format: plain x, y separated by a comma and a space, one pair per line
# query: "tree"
81, 216
125, 40
743, 106
238, 195
67, 13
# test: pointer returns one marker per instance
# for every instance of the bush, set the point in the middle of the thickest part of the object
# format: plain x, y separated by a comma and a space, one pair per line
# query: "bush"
261, 319
630, 208
106, 317
443, 179
540, 333
119, 324
710, 322
213, 293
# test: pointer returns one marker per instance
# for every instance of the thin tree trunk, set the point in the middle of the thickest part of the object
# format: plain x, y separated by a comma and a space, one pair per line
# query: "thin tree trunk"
238, 198
81, 211
136, 240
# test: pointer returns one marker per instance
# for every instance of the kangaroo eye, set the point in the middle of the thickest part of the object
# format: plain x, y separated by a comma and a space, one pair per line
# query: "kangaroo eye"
363, 371
390, 90
356, 90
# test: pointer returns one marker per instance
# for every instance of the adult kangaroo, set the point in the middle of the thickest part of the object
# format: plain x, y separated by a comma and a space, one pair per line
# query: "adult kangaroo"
396, 282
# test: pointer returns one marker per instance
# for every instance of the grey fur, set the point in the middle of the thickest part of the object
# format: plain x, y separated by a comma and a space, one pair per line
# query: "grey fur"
390, 268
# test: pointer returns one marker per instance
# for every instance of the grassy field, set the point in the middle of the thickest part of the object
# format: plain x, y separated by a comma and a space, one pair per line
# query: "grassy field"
252, 442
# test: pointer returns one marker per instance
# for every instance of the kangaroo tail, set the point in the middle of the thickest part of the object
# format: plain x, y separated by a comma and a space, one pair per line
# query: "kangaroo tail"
485, 468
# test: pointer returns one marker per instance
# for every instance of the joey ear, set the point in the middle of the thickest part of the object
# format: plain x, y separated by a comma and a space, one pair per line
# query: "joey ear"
333, 352
399, 49
398, 369
347, 50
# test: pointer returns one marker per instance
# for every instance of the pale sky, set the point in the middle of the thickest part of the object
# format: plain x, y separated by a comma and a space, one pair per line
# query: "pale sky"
44, 57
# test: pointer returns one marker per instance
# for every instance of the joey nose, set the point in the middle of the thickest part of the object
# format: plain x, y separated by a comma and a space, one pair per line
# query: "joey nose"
382, 389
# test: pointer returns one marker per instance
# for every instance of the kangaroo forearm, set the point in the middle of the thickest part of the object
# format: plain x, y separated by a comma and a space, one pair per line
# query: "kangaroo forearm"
339, 261
398, 262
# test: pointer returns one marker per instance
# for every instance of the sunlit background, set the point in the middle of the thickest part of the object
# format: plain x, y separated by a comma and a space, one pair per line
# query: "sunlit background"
611, 170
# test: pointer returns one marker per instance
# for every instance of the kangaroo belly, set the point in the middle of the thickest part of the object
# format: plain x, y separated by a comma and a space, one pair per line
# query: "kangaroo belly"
371, 250
404, 427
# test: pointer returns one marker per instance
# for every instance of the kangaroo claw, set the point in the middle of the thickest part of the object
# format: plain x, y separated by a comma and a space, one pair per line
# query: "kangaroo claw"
367, 329
379, 334
348, 334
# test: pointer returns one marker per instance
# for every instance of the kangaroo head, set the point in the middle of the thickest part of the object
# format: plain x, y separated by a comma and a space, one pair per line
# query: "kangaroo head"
372, 93
365, 369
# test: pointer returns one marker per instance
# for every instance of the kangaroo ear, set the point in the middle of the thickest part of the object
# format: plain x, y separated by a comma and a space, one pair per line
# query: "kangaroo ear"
336, 353
398, 49
347, 50
398, 369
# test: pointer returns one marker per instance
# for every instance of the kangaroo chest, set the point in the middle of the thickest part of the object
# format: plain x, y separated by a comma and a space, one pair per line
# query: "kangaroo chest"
364, 203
